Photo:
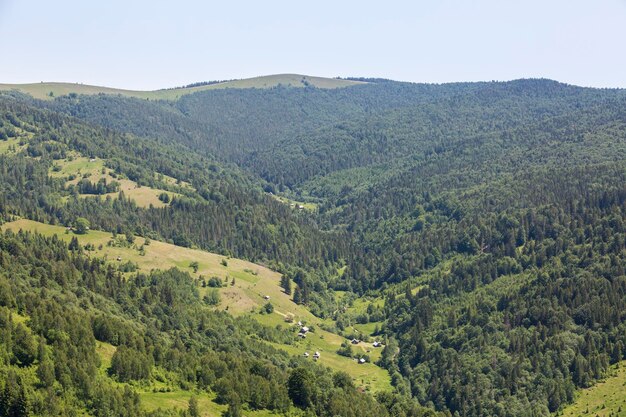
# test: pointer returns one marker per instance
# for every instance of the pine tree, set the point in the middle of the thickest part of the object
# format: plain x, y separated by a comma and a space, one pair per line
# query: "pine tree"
285, 283
193, 409
297, 295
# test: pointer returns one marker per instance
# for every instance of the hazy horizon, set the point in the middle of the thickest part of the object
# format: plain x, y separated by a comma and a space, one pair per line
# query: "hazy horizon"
152, 45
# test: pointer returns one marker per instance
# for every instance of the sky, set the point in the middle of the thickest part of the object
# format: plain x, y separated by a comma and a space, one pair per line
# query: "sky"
151, 44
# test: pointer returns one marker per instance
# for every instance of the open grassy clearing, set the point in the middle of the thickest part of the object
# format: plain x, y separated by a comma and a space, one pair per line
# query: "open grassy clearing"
173, 181
42, 90
158, 255
296, 204
15, 144
252, 283
366, 375
179, 400
105, 351
604, 399
10, 146
78, 167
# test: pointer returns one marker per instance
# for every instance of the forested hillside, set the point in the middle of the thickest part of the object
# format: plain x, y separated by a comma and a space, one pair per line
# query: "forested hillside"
477, 230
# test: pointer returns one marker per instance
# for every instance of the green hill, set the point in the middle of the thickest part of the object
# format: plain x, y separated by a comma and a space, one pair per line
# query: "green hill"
48, 90
477, 229
245, 296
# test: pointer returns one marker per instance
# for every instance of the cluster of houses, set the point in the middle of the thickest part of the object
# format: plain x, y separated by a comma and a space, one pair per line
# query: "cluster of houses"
303, 331
316, 355
375, 344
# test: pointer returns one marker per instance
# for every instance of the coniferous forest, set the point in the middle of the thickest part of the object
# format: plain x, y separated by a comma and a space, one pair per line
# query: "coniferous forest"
480, 227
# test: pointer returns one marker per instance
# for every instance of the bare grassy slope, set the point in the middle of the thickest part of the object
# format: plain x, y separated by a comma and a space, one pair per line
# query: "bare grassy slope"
42, 90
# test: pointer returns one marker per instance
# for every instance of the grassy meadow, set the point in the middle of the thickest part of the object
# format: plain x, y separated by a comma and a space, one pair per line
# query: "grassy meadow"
49, 90
607, 398
81, 167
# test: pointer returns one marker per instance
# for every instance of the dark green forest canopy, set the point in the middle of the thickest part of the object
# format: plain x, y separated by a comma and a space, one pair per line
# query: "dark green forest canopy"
490, 217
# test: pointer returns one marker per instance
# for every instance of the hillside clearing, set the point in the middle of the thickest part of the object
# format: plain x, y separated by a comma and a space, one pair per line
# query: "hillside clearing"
604, 399
75, 167
246, 297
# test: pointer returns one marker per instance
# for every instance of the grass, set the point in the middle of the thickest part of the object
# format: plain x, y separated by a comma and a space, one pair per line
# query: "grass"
179, 400
105, 351
296, 204
7, 145
606, 398
158, 255
367, 375
42, 90
80, 166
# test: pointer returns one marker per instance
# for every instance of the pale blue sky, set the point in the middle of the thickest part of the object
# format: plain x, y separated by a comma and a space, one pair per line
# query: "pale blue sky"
145, 44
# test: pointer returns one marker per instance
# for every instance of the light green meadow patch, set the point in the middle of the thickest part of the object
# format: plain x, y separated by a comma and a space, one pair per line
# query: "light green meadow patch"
50, 90
10, 145
604, 399
296, 205
94, 169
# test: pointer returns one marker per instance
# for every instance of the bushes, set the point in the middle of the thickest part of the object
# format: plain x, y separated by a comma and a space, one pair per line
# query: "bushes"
212, 297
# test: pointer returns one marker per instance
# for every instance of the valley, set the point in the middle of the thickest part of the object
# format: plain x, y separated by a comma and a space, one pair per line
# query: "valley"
299, 246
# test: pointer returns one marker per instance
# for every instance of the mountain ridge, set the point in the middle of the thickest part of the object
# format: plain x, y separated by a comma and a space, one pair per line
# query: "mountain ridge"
42, 90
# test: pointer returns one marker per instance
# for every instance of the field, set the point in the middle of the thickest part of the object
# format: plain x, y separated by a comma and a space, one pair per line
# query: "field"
7, 145
43, 90
252, 284
12, 145
606, 398
94, 170
295, 204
